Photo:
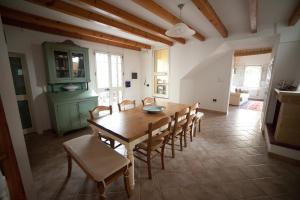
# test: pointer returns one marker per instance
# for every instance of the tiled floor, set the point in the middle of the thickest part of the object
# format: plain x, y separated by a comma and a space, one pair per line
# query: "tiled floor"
228, 160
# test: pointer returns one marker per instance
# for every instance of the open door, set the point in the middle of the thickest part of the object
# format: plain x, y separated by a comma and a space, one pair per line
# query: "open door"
10, 179
22, 90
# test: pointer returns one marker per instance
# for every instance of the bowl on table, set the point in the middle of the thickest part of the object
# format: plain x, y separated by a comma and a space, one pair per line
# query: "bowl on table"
154, 109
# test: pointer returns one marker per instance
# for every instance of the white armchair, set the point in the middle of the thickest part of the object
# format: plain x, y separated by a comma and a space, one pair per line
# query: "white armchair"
237, 98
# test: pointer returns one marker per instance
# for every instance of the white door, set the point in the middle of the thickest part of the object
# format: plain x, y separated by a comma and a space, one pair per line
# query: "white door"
109, 73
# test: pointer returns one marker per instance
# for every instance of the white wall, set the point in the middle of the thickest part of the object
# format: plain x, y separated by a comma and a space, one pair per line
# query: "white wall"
183, 58
146, 75
286, 67
29, 43
211, 81
9, 100
214, 83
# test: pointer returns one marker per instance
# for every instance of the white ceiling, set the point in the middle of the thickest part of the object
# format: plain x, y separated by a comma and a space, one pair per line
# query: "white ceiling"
233, 13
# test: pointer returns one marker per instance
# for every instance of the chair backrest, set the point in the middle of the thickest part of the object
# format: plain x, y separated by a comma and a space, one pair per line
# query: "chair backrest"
180, 119
148, 101
126, 105
190, 120
100, 111
160, 128
194, 108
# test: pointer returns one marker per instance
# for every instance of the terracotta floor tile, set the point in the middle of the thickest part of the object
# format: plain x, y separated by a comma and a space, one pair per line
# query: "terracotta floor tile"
272, 186
227, 160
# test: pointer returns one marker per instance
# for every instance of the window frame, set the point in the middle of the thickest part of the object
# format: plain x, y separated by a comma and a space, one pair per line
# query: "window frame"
97, 89
155, 74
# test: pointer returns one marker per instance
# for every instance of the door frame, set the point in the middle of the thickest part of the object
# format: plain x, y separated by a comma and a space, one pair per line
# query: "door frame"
110, 83
8, 160
28, 89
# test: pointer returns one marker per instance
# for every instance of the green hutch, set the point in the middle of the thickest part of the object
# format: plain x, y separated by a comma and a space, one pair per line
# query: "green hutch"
69, 97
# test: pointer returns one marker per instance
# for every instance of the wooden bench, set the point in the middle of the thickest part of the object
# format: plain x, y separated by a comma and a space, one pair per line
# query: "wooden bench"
100, 162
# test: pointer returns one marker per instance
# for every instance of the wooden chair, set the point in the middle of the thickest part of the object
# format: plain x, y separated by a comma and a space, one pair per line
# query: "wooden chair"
158, 136
188, 128
198, 119
149, 101
178, 129
194, 109
125, 104
101, 111
101, 163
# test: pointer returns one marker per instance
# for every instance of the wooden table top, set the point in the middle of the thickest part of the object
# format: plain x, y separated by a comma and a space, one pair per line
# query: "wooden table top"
132, 124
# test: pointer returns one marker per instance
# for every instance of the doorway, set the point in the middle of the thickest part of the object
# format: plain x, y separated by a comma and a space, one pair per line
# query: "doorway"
109, 76
22, 89
249, 82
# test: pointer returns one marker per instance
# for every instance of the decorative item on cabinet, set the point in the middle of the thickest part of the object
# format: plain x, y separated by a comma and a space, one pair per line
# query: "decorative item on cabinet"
68, 76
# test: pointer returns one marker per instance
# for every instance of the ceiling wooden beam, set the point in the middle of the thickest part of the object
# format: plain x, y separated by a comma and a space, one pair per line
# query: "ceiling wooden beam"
25, 20
129, 17
64, 33
253, 10
250, 52
164, 14
295, 16
18, 15
208, 11
73, 10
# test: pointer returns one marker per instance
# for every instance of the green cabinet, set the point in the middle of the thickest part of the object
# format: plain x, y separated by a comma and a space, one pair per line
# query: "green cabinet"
68, 65
66, 62
70, 110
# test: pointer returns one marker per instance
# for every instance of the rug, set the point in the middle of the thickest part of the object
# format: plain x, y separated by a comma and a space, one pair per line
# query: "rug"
252, 105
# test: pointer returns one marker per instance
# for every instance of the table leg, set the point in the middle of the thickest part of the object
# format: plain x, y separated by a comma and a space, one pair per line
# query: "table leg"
130, 156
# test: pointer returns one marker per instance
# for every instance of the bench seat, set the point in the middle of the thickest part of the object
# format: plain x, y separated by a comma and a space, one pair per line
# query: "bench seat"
97, 160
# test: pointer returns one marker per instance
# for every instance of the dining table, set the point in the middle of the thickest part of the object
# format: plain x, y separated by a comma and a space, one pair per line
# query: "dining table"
130, 127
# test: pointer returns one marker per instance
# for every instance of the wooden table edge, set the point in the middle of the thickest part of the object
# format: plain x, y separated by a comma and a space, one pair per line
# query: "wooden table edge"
109, 131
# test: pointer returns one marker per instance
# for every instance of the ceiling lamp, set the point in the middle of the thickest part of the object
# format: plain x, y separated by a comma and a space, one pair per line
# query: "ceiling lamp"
180, 29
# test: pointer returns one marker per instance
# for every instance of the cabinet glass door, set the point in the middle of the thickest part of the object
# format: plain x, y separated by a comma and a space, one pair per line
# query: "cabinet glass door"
77, 64
61, 64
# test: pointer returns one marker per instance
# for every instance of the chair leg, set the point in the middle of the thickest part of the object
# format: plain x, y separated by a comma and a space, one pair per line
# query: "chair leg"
101, 190
69, 165
173, 146
162, 155
195, 129
199, 126
181, 142
191, 133
149, 165
184, 138
112, 143
126, 183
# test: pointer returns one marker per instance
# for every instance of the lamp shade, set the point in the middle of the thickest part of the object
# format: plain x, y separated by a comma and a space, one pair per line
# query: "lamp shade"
180, 30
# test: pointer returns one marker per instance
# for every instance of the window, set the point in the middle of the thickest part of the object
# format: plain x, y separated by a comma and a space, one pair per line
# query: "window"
161, 73
252, 76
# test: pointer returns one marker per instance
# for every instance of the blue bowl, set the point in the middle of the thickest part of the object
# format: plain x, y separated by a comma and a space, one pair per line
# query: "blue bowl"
154, 109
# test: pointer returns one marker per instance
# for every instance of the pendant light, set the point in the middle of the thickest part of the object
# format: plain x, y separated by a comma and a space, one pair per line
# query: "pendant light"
180, 29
